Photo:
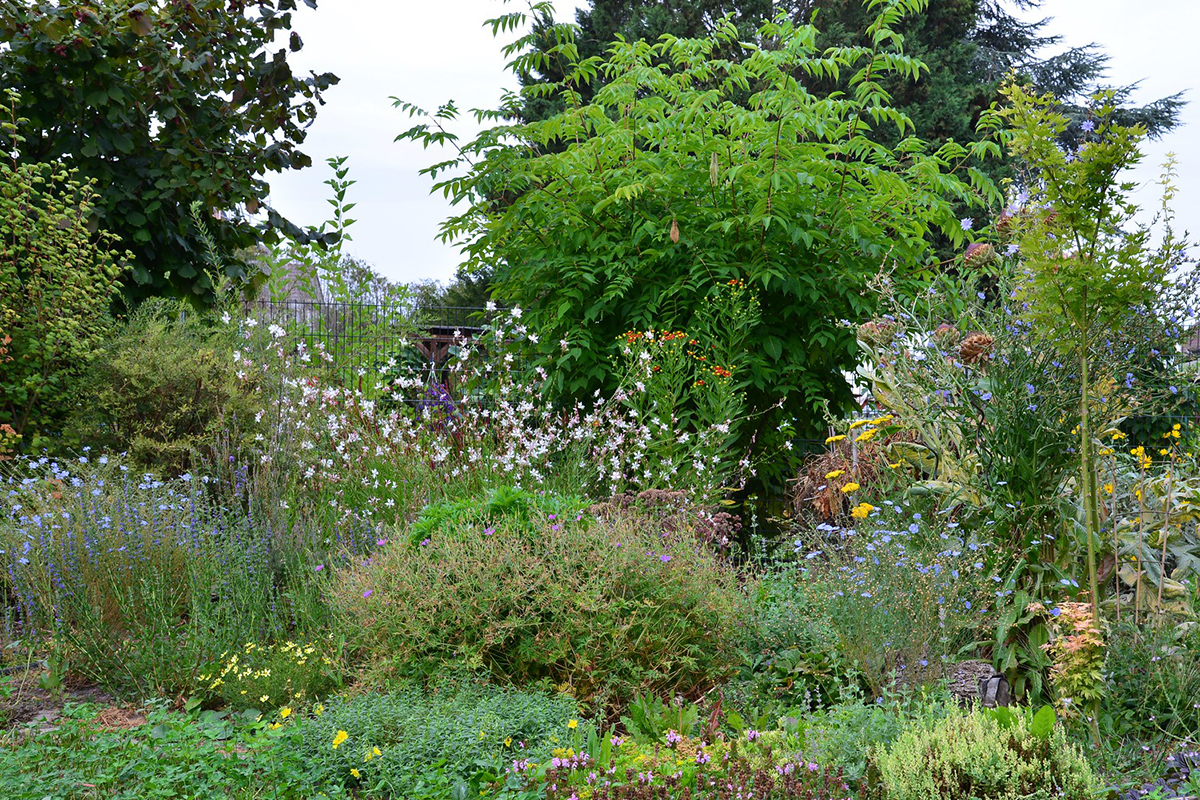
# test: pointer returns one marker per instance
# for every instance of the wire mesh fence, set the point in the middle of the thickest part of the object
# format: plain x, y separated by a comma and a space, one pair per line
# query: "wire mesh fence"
365, 340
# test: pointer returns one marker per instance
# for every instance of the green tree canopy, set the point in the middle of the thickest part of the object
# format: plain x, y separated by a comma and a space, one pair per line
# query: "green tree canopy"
163, 104
686, 170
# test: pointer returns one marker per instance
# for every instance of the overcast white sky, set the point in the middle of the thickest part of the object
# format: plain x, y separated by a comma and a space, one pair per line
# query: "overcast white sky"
430, 52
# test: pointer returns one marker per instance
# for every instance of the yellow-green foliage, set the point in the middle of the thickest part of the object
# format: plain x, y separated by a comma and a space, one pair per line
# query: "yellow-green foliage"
164, 389
1077, 650
601, 609
58, 274
972, 756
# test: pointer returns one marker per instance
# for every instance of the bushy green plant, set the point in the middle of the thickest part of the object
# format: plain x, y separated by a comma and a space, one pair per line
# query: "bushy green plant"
164, 389
793, 652
416, 743
981, 756
598, 608
845, 734
275, 676
58, 276
502, 504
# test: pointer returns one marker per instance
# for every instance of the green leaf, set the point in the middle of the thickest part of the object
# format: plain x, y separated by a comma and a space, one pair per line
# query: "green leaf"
1043, 723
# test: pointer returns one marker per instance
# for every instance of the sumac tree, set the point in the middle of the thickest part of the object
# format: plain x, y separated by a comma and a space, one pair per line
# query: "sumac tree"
689, 168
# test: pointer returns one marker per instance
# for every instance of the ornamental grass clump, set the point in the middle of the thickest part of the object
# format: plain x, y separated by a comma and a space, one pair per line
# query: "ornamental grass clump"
984, 756
601, 609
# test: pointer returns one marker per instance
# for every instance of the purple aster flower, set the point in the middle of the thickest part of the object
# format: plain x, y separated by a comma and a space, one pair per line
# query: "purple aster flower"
664, 558
967, 223
368, 593
1088, 126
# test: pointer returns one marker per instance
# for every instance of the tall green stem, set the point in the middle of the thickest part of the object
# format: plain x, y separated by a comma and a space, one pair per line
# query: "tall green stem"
1088, 481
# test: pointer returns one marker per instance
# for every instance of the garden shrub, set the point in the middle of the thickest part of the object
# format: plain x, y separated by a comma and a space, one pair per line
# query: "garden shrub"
57, 278
984, 756
604, 610
413, 743
164, 389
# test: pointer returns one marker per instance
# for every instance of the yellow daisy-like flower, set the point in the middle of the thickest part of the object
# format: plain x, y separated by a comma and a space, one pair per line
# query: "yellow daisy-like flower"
1118, 435
862, 510
355, 773
573, 724
833, 439
285, 712
264, 698
850, 487
1108, 488
318, 709
338, 738
837, 473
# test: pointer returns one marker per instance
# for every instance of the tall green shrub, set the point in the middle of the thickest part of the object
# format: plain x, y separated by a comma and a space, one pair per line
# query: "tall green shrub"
1090, 268
165, 389
688, 169
58, 275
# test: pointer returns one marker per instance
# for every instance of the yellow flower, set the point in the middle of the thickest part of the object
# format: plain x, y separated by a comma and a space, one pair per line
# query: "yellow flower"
835, 474
1108, 488
481, 734
850, 487
1117, 435
355, 773
1105, 451
862, 510
1162, 452
285, 712
881, 420
833, 439
264, 698
894, 466
859, 424
275, 726
318, 709
508, 741
866, 435
338, 738
573, 724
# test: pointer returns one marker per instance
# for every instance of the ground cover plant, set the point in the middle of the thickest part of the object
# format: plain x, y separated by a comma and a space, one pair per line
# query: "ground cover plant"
248, 564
